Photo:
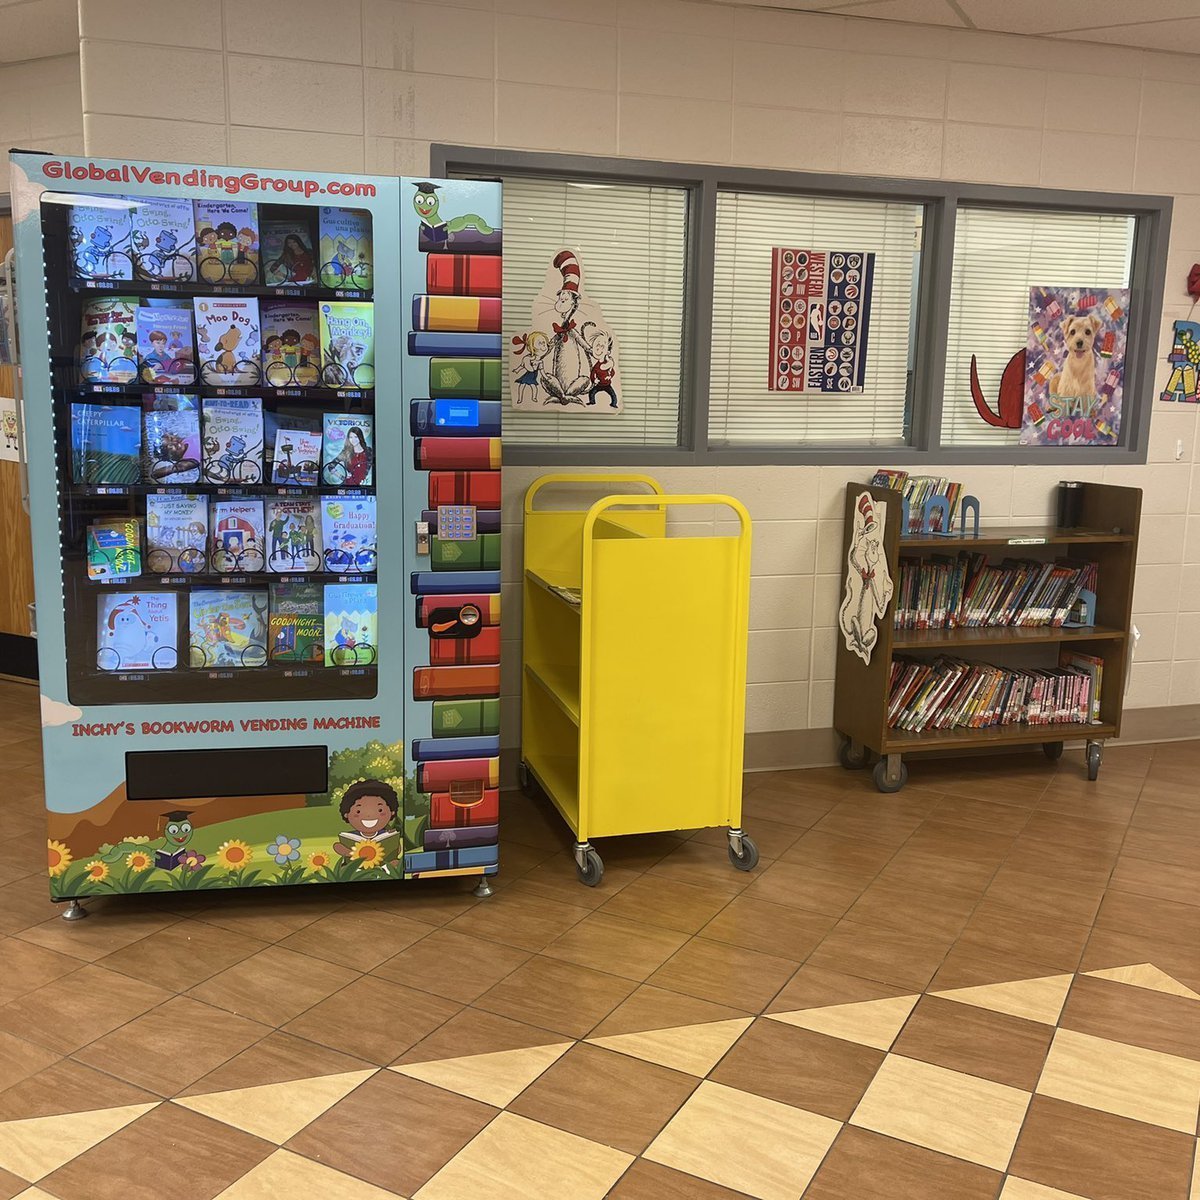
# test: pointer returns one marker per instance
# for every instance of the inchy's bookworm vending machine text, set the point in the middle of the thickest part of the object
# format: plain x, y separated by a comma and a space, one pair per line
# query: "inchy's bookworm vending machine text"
263, 424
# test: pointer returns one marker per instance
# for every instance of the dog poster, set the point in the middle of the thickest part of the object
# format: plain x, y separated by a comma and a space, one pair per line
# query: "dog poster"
868, 580
1074, 366
820, 315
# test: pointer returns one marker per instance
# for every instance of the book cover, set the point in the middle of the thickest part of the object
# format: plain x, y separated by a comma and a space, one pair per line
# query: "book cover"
287, 253
226, 241
293, 535
227, 340
296, 624
137, 631
227, 628
348, 452
114, 549
236, 536
100, 240
456, 454
455, 683
171, 439
166, 351
351, 611
456, 314
454, 810
480, 488
295, 457
274, 421
456, 378
346, 249
437, 776
483, 648
106, 444
291, 343
481, 553
164, 239
453, 345
348, 533
108, 340
450, 583
176, 533
450, 718
347, 343
464, 274
233, 439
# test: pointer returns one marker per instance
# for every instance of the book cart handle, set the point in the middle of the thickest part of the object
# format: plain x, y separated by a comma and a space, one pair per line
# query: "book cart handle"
594, 481
598, 509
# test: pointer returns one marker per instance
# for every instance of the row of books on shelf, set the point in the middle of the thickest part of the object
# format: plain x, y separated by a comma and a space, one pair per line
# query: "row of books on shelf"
174, 438
289, 623
917, 489
953, 693
164, 239
965, 591
227, 341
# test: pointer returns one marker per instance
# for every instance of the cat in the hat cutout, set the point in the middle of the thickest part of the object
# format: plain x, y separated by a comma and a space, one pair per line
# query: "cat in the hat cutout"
568, 359
868, 581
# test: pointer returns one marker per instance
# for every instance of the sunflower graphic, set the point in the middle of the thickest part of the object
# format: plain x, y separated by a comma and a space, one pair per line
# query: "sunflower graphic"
96, 871
369, 855
318, 860
139, 860
58, 856
234, 854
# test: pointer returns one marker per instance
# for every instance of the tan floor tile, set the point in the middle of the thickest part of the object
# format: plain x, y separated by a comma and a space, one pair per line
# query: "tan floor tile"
1022, 1189
869, 1022
1143, 1085
695, 1049
769, 928
656, 1008
725, 974
1146, 975
474, 1031
183, 954
666, 903
518, 1159
1111, 948
621, 947
497, 1078
35, 1147
960, 1115
287, 1174
1143, 1017
760, 1147
650, 1181
356, 937
278, 1058
1039, 999
452, 965
276, 1111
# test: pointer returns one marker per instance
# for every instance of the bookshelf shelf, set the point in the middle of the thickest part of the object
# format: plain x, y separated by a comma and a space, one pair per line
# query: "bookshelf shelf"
559, 686
1107, 536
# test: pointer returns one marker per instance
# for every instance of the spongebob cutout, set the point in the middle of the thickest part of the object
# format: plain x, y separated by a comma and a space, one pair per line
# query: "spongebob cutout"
868, 581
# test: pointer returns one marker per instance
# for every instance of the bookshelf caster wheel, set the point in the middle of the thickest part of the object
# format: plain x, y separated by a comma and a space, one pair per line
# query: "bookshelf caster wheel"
589, 866
1053, 750
890, 780
743, 853
1095, 752
852, 756
524, 780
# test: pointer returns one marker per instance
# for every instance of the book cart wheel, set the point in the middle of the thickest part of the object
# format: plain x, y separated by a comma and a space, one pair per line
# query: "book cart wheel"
589, 866
890, 773
743, 853
1053, 750
1095, 752
853, 756
523, 778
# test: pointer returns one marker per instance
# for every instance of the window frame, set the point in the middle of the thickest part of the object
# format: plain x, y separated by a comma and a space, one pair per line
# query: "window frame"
941, 200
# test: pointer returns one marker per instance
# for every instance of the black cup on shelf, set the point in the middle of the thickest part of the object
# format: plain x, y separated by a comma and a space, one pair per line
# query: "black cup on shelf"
1070, 504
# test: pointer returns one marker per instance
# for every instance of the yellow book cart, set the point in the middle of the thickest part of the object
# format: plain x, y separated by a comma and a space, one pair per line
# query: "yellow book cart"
633, 706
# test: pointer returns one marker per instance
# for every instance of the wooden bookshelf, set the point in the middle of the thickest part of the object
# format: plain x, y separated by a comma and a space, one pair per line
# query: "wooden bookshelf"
1108, 534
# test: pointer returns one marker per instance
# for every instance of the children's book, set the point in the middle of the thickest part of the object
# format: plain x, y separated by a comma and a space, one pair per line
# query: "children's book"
176, 534
114, 549
166, 351
348, 534
296, 624
227, 340
164, 239
227, 628
137, 631
287, 253
233, 439
100, 240
273, 422
347, 344
236, 536
348, 452
226, 241
291, 344
106, 444
346, 250
296, 458
171, 438
293, 535
108, 340
351, 614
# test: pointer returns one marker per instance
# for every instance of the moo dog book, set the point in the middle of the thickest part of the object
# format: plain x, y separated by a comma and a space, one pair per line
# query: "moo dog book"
347, 344
108, 340
227, 627
226, 241
346, 250
137, 631
164, 239
176, 533
291, 343
100, 240
227, 340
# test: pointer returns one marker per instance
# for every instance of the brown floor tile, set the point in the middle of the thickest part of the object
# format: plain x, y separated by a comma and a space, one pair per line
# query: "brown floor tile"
808, 1070
435, 902
1112, 948
374, 1019
1163, 881
657, 1008
1165, 920
68, 1087
1085, 1152
556, 879
1042, 937
705, 865
862, 1165
559, 996
927, 869
92, 940
473, 1031
667, 904
1136, 1016
273, 917
393, 1132
1062, 862
620, 947
453, 965
606, 1097
27, 967
907, 960
1063, 830
769, 928
130, 1165
1158, 847
1163, 818
1080, 799
771, 837
183, 954
173, 1045
1025, 891
849, 856
11, 1186
818, 987
648, 1181
975, 1041
519, 917
971, 966
357, 937
797, 886
785, 806
725, 974
981, 814
274, 985
897, 906
20, 1059
278, 1058
871, 822
962, 843
26, 902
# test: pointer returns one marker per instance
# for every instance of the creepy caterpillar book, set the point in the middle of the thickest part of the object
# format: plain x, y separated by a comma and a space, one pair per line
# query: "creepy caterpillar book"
233, 439
291, 343
287, 253
166, 351
347, 344
100, 240
351, 617
108, 340
227, 340
106, 444
137, 631
164, 239
296, 623
227, 628
171, 438
176, 533
346, 250
226, 241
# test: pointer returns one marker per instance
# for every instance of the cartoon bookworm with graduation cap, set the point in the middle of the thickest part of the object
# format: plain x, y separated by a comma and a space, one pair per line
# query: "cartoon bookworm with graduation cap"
170, 849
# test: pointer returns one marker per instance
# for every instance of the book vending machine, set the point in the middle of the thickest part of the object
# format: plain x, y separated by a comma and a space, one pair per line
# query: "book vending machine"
263, 439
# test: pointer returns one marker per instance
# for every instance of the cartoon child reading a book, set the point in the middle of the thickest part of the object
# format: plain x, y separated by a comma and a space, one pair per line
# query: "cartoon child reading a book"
371, 808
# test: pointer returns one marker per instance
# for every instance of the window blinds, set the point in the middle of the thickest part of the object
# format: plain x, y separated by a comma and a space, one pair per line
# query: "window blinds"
632, 243
999, 253
742, 409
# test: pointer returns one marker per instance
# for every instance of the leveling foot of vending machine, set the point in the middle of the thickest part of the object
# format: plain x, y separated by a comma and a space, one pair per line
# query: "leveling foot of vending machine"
483, 889
74, 911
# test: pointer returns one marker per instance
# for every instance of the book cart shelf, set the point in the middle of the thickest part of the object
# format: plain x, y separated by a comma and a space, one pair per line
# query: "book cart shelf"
1107, 534
634, 663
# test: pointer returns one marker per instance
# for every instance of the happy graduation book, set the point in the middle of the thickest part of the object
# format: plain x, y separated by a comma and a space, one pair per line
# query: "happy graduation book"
348, 533
291, 343
346, 249
176, 533
106, 444
227, 628
287, 253
171, 438
166, 349
351, 616
348, 452
100, 240
296, 624
347, 344
108, 340
226, 241
137, 631
227, 340
164, 239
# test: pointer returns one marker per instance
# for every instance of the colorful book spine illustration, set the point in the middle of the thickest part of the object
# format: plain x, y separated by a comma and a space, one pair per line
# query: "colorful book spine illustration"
456, 454
454, 718
454, 810
453, 378
471, 860
438, 776
454, 418
481, 554
478, 488
484, 647
449, 583
452, 345
455, 683
464, 274
431, 608
445, 749
467, 835
470, 241
456, 314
